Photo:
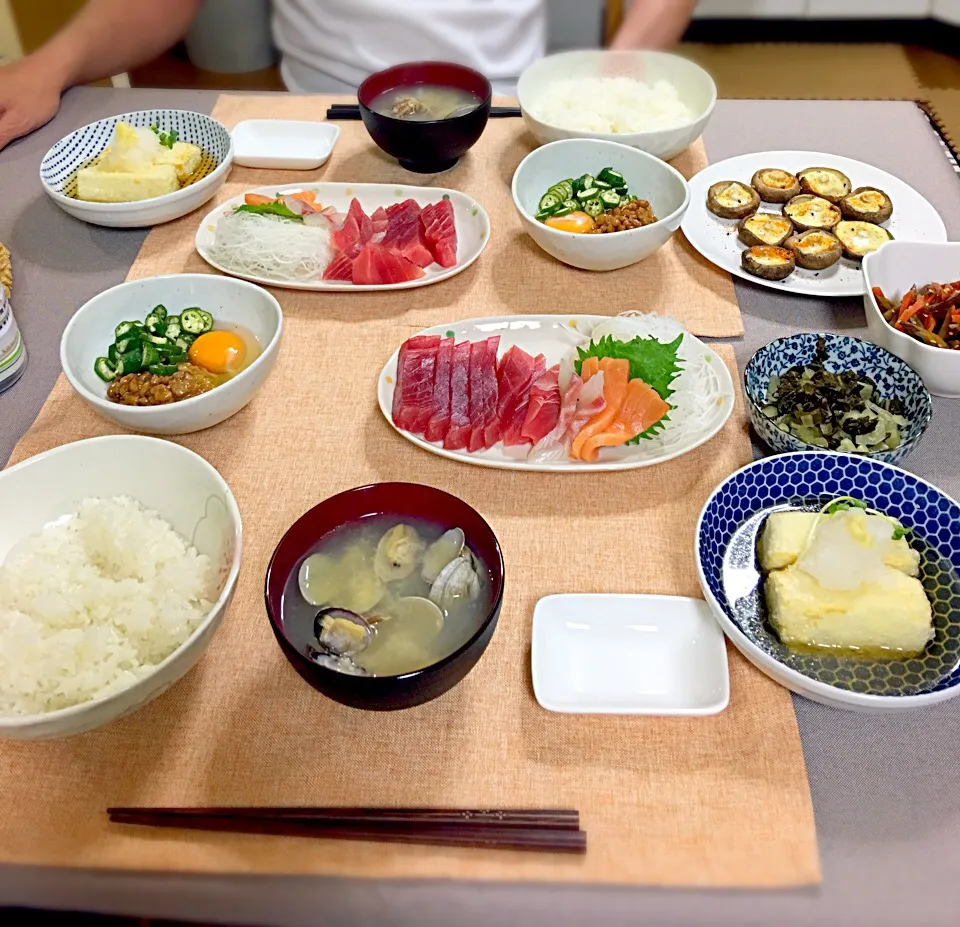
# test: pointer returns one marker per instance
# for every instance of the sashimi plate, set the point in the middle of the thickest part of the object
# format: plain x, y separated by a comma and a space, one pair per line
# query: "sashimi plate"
702, 400
472, 223
914, 219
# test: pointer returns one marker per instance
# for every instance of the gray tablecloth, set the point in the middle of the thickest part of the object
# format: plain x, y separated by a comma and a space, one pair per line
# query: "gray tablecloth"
886, 789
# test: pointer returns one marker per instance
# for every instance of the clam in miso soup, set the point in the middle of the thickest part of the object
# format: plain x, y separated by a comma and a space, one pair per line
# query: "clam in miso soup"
382, 597
425, 102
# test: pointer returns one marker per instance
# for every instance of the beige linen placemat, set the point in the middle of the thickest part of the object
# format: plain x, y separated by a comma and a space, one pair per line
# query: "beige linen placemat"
512, 276
721, 801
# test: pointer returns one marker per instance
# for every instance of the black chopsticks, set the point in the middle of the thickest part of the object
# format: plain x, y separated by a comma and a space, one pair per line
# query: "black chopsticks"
546, 831
345, 111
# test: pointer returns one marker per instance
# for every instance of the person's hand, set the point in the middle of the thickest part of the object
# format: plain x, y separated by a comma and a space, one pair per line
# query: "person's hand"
29, 98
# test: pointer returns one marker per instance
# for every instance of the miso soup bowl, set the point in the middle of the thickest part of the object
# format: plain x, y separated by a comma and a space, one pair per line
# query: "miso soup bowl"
399, 500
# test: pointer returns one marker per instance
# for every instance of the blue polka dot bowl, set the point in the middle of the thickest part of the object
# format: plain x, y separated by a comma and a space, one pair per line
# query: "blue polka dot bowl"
59, 168
725, 547
894, 379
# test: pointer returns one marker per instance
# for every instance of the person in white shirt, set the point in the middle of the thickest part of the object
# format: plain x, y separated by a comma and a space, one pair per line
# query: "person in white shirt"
327, 45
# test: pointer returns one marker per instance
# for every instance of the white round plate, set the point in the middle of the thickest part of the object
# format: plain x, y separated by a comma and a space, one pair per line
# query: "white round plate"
914, 219
473, 228
556, 336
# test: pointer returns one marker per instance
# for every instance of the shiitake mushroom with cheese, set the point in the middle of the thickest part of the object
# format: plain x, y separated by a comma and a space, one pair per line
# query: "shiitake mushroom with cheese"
730, 199
764, 228
867, 204
775, 185
816, 249
861, 238
769, 263
809, 212
825, 182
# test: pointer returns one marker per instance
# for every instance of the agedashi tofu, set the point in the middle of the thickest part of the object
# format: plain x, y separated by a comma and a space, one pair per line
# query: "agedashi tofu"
115, 187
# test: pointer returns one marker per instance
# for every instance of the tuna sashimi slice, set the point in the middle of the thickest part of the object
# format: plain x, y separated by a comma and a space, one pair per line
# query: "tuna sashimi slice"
380, 220
377, 265
440, 232
346, 239
543, 412
364, 224
483, 394
339, 269
403, 233
581, 402
439, 423
514, 414
413, 392
459, 432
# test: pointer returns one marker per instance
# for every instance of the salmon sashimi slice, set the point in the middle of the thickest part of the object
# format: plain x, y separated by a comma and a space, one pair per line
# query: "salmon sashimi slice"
642, 408
616, 376
589, 368
308, 197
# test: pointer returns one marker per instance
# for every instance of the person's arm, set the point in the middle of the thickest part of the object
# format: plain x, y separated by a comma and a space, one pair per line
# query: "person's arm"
105, 38
656, 24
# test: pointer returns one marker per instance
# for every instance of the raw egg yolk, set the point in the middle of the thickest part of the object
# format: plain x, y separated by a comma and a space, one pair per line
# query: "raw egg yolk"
218, 352
576, 222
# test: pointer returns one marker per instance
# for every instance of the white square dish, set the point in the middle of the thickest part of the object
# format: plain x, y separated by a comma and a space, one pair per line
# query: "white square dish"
283, 144
629, 654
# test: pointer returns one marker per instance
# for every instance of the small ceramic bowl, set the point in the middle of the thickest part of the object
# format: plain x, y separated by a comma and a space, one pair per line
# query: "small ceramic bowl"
163, 477
426, 147
90, 332
403, 500
895, 268
63, 160
725, 546
894, 379
646, 176
284, 144
694, 86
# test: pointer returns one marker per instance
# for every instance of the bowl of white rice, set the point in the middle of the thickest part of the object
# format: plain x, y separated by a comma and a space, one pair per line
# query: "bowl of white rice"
655, 101
118, 559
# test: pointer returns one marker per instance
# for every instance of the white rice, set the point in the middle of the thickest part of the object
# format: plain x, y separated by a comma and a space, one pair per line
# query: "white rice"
94, 603
612, 106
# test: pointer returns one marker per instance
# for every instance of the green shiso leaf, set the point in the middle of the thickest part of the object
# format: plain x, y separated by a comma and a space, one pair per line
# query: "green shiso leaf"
650, 360
271, 209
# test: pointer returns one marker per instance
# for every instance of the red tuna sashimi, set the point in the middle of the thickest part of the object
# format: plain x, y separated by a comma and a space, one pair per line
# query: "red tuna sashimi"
413, 393
514, 414
380, 220
440, 232
543, 413
439, 423
339, 269
483, 394
459, 432
404, 234
364, 222
377, 265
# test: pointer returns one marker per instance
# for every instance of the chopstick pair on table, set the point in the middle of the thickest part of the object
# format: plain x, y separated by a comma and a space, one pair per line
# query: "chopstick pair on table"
549, 831
345, 111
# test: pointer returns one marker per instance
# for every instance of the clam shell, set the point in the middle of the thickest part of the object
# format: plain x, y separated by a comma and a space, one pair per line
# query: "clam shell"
398, 553
458, 580
342, 633
445, 549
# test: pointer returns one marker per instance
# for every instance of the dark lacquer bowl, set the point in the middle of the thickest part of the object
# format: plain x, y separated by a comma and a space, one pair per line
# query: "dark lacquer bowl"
426, 147
403, 500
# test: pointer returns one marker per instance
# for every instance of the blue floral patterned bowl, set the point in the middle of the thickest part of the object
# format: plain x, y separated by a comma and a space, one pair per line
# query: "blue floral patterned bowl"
894, 379
725, 546
59, 168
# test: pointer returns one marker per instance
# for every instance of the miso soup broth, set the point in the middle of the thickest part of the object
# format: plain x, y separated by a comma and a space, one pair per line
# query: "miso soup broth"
385, 596
424, 102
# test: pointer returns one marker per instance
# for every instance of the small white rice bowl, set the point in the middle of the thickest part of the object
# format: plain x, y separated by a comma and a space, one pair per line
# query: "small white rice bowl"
95, 602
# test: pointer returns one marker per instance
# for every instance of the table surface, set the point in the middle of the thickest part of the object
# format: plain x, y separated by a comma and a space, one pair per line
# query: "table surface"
886, 789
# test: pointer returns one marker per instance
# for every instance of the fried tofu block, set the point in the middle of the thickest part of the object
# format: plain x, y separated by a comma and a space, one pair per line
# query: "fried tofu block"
113, 187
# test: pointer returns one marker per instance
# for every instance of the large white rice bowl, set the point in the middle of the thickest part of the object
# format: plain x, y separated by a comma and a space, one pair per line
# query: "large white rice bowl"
119, 558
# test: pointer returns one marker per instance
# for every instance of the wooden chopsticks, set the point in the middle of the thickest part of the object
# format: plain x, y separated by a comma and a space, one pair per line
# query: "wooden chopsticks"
344, 111
546, 831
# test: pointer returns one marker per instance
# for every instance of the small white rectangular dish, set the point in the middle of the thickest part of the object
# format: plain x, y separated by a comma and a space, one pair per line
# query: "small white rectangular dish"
629, 655
283, 144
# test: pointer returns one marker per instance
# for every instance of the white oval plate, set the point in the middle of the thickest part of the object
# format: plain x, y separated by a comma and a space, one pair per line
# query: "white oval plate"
556, 336
914, 219
473, 228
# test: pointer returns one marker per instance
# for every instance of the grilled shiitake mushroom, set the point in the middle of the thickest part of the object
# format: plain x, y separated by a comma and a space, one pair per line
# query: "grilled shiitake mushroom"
831, 184
775, 185
768, 262
809, 212
731, 199
764, 228
815, 250
860, 238
867, 204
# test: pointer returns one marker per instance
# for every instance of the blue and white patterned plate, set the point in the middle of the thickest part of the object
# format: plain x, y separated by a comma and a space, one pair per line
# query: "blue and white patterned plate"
726, 560
60, 165
894, 379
